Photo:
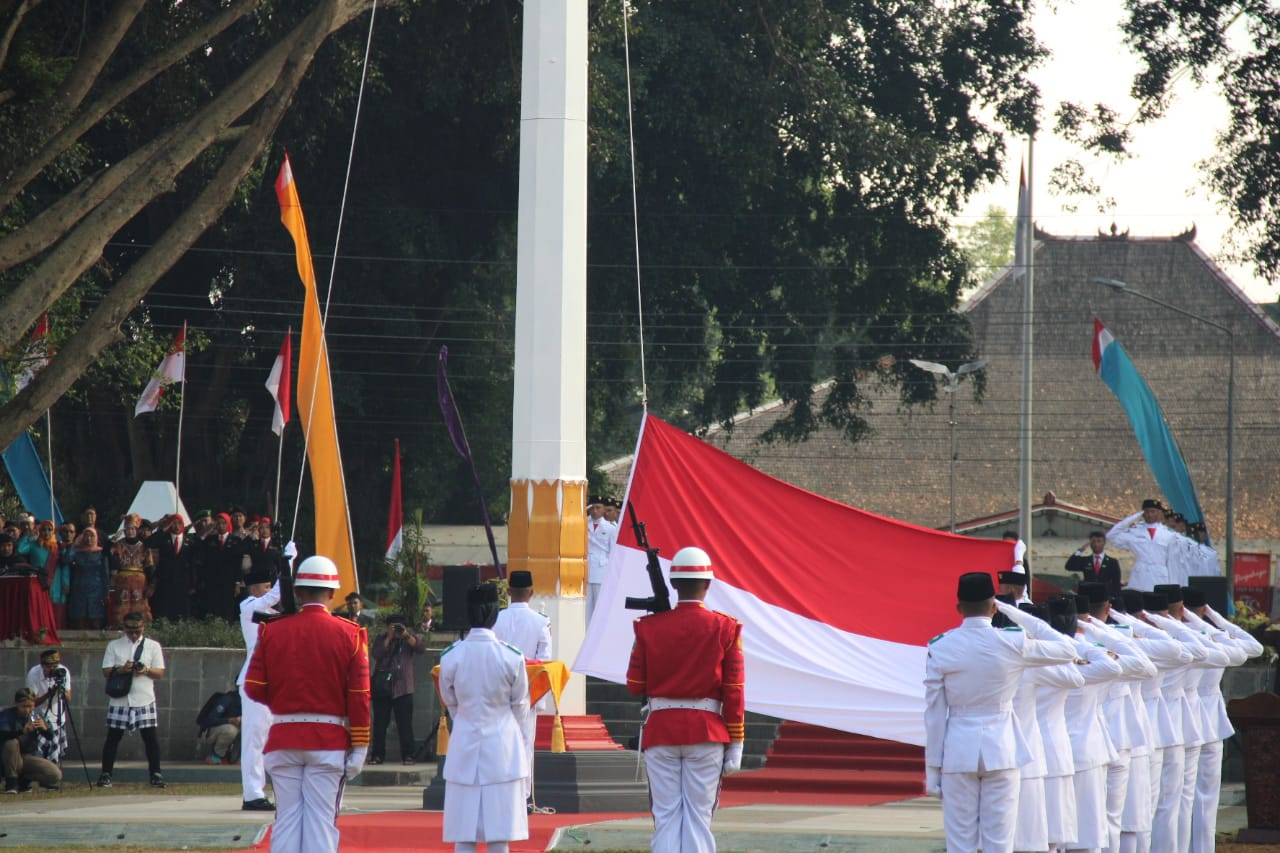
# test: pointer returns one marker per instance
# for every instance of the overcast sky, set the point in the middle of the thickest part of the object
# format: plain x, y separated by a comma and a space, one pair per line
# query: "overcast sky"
1159, 191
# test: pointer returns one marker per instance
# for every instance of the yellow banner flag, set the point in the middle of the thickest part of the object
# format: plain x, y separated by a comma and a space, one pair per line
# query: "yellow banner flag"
315, 402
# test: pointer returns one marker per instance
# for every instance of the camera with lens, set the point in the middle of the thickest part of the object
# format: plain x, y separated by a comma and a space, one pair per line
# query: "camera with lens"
399, 629
59, 677
139, 666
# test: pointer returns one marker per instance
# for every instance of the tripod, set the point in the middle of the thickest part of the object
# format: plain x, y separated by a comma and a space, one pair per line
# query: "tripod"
56, 706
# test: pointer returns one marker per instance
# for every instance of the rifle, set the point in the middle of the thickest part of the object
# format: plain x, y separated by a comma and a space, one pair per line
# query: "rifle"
288, 602
660, 601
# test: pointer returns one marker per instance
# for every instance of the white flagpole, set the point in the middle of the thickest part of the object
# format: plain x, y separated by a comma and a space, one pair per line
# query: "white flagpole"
182, 404
279, 462
1028, 340
48, 434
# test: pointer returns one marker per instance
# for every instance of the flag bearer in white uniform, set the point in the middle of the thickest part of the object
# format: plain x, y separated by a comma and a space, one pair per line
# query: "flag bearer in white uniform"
1032, 831
973, 747
1204, 813
486, 689
255, 718
601, 534
1119, 707
520, 625
1144, 534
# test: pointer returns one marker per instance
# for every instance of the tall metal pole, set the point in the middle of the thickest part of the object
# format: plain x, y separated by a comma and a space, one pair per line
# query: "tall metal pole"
1028, 341
951, 416
1229, 535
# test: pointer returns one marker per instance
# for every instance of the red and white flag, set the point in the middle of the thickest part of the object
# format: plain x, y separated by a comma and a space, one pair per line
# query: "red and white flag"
278, 384
395, 516
838, 605
172, 369
37, 355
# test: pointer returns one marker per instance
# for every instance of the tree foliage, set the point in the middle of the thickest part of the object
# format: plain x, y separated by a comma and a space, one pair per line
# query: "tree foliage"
798, 164
1235, 45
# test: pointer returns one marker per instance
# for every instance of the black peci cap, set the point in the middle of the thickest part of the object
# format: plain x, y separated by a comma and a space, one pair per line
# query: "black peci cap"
1016, 578
1133, 600
1193, 598
1094, 591
1062, 613
520, 580
1172, 592
1154, 602
975, 587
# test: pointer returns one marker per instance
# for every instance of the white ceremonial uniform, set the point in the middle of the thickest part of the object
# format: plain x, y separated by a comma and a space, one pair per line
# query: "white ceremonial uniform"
1217, 727
973, 747
530, 632
1120, 716
1149, 544
1215, 657
485, 687
1060, 768
255, 718
1207, 561
1032, 829
601, 534
1091, 748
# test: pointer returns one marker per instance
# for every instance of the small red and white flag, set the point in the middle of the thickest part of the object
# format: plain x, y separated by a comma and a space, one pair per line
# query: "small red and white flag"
395, 516
173, 368
837, 605
37, 355
278, 384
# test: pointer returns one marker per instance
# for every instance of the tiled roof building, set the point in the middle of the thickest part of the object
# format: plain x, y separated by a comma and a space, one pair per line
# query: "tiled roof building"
1083, 447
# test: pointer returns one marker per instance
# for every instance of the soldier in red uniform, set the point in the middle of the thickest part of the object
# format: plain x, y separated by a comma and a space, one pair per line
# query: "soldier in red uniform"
688, 661
312, 671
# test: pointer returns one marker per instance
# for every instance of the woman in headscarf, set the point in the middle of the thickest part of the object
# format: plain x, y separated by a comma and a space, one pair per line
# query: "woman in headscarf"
90, 575
130, 574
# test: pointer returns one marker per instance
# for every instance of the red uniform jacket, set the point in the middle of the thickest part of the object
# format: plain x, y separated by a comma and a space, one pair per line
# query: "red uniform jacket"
689, 652
312, 663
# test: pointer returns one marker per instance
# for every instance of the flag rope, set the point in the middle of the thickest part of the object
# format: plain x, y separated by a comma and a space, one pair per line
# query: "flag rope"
324, 313
635, 207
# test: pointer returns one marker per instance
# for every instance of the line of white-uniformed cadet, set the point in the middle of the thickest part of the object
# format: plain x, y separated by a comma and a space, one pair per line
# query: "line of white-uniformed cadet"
1123, 747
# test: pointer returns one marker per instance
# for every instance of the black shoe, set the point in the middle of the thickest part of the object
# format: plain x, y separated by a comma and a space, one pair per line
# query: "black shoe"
262, 804
157, 781
11, 786
104, 781
44, 787
24, 787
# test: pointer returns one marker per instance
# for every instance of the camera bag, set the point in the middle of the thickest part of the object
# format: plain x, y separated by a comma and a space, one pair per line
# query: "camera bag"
120, 683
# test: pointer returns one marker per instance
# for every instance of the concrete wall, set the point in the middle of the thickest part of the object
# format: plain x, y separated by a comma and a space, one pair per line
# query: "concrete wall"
191, 676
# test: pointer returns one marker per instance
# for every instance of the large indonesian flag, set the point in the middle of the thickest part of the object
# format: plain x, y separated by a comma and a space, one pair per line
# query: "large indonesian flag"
173, 368
838, 604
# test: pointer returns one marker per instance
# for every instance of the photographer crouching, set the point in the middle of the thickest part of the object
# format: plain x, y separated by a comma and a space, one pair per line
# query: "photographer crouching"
50, 681
21, 731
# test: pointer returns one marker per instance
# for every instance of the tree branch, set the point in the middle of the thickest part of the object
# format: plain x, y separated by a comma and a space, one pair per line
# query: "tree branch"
11, 29
103, 326
83, 247
62, 138
92, 60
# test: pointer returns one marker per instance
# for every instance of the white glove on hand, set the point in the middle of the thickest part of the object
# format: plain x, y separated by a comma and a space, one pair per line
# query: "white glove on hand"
732, 758
355, 761
291, 552
933, 782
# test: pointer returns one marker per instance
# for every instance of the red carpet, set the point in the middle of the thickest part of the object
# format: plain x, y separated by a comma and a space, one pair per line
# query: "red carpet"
419, 831
810, 764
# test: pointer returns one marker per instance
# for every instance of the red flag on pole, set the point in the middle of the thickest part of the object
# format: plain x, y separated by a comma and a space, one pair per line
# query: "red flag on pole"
171, 369
278, 384
37, 355
395, 516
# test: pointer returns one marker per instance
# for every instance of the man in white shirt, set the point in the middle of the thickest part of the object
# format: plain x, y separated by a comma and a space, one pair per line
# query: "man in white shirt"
135, 712
1145, 535
255, 718
45, 680
601, 534
522, 626
972, 746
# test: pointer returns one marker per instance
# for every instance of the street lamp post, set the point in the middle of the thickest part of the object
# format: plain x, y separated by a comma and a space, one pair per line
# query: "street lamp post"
953, 383
1230, 534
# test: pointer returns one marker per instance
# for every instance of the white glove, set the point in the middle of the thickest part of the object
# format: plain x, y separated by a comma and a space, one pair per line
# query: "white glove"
732, 758
355, 761
933, 782
290, 552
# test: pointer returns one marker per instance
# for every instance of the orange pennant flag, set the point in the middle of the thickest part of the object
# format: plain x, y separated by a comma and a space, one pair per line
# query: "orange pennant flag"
315, 403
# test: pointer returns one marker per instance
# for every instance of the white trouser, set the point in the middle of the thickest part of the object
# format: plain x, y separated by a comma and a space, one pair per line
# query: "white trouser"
1137, 803
308, 786
1060, 810
1204, 814
1164, 824
1190, 770
980, 810
593, 595
1117, 791
684, 787
1091, 808
1032, 830
255, 723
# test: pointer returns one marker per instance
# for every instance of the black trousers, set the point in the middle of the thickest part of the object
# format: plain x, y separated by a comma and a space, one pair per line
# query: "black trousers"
402, 707
149, 741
